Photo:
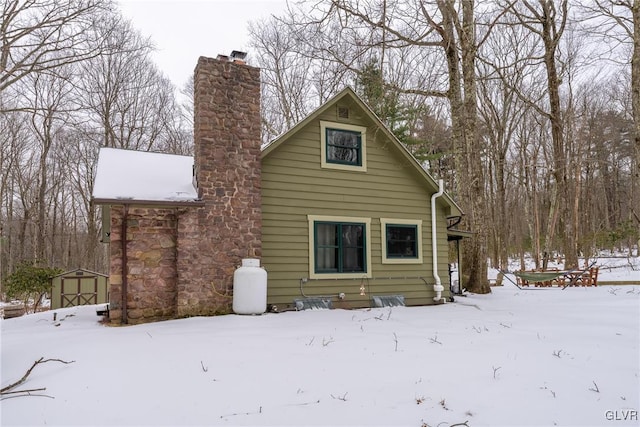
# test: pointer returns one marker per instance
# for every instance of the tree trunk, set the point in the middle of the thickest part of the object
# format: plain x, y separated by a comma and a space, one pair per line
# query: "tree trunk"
635, 102
463, 99
561, 199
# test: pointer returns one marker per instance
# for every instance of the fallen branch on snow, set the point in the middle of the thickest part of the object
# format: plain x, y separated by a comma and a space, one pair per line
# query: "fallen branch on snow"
259, 411
8, 389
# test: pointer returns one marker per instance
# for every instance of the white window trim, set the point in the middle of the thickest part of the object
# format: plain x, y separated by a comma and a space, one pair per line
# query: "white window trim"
383, 232
323, 146
312, 253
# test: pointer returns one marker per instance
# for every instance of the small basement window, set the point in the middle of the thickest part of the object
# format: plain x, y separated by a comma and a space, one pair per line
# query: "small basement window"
343, 146
402, 241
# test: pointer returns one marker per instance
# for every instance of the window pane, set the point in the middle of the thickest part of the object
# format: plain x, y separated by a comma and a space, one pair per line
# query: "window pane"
343, 146
326, 234
327, 259
401, 241
326, 247
352, 235
352, 260
343, 138
352, 247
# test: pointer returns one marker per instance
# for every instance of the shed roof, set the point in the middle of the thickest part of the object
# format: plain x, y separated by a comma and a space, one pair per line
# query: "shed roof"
80, 270
128, 176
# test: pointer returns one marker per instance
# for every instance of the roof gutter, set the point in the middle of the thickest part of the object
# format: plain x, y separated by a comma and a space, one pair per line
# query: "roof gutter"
166, 203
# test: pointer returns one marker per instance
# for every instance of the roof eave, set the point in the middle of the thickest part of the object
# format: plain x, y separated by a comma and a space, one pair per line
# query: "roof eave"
165, 203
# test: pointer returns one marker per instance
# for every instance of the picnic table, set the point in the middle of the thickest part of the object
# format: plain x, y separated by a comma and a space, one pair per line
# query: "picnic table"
564, 278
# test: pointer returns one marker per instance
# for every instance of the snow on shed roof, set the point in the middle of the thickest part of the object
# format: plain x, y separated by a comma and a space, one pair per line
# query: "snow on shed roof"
135, 176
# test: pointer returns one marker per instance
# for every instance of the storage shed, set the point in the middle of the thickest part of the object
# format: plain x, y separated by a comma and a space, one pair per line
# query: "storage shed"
79, 287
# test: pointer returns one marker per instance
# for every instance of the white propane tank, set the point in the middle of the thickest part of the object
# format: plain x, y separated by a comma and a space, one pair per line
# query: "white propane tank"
250, 288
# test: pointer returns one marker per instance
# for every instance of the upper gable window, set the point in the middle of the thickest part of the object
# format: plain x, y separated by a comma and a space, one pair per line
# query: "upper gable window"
343, 146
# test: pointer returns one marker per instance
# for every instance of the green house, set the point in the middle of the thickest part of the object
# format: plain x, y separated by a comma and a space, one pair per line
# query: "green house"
339, 213
79, 287
347, 213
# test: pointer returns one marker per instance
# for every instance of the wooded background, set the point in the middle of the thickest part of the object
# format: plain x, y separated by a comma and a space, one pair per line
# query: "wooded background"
529, 110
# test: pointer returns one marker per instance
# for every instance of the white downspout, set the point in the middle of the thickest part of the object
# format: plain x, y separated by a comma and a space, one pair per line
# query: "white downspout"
437, 287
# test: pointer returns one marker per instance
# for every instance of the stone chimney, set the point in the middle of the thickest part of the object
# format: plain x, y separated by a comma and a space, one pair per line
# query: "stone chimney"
213, 240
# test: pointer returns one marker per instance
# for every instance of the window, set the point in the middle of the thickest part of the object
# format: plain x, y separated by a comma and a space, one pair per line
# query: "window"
402, 241
343, 146
339, 247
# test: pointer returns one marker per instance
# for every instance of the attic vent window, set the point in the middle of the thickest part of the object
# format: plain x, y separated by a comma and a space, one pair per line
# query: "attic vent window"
343, 112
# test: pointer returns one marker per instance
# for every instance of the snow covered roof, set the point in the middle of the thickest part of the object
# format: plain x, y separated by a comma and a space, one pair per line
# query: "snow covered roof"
140, 176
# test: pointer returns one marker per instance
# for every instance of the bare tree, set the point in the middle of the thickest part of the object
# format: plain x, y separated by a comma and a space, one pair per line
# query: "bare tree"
304, 60
285, 78
460, 47
58, 57
40, 36
501, 113
617, 24
126, 95
48, 102
547, 22
14, 146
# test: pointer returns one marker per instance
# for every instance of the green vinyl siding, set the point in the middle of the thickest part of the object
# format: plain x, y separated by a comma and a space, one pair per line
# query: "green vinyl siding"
294, 186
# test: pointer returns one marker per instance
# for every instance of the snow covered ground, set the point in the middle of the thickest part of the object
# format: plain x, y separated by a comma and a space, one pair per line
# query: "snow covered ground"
537, 357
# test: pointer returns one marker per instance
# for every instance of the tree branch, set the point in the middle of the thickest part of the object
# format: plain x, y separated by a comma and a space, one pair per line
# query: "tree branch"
7, 389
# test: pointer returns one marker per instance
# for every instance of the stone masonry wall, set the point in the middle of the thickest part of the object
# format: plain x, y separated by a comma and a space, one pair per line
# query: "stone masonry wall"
213, 240
151, 265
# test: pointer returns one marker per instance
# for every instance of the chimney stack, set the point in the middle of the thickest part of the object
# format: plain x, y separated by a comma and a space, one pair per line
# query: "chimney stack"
227, 140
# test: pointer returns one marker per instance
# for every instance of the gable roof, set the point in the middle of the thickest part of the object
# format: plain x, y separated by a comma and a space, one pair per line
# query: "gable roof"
142, 177
81, 271
348, 92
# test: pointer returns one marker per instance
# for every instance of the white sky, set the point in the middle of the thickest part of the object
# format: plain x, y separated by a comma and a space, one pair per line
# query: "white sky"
185, 30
